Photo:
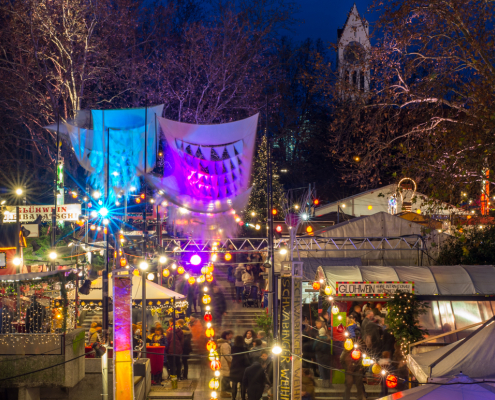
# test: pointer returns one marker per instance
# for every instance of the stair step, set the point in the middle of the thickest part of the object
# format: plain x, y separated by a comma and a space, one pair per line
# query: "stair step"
171, 395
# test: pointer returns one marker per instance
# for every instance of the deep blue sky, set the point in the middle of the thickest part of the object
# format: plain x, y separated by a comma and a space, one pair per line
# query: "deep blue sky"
321, 18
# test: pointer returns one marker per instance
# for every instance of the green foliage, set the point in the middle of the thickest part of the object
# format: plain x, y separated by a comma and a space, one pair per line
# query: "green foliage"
265, 323
471, 248
403, 319
258, 199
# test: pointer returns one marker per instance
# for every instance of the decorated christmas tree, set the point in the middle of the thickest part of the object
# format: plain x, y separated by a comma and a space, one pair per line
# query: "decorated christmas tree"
257, 206
403, 319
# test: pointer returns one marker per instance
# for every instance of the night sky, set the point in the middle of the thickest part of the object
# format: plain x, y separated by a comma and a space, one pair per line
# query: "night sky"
321, 18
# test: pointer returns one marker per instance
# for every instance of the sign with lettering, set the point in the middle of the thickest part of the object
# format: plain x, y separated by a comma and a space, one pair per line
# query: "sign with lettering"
372, 289
66, 212
297, 339
285, 366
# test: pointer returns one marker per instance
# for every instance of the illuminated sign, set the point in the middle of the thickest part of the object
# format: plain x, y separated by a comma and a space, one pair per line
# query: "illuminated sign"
66, 212
372, 289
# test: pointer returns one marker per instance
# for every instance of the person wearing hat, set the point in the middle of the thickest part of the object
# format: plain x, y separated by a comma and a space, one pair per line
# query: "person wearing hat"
95, 332
321, 347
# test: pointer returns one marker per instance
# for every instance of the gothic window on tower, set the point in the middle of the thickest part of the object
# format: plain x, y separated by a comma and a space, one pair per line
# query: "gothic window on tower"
354, 79
361, 80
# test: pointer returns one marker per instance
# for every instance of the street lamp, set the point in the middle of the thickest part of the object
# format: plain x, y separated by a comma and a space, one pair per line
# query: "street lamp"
52, 255
18, 191
143, 266
163, 259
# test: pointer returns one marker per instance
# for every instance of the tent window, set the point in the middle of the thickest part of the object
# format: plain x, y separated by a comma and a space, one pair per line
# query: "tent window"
447, 317
466, 313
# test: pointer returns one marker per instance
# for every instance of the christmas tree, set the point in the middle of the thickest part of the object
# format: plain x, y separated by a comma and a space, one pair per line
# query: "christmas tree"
403, 319
257, 206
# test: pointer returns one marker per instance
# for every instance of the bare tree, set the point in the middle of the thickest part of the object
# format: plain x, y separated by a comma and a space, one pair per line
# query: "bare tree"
430, 111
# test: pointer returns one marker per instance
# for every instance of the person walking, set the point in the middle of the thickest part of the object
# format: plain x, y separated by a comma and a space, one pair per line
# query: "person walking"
186, 347
248, 276
267, 364
239, 364
308, 385
174, 349
239, 284
159, 339
254, 381
224, 350
219, 306
353, 375
256, 350
322, 349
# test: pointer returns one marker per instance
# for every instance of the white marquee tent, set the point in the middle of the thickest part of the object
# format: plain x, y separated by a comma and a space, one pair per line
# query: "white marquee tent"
461, 387
442, 280
153, 291
473, 357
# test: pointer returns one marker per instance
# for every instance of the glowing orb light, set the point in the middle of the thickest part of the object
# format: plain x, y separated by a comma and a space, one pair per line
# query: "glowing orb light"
103, 211
228, 257
356, 354
166, 273
191, 280
180, 270
215, 365
348, 344
195, 260
328, 290
214, 384
211, 345
335, 310
316, 285
206, 299
391, 381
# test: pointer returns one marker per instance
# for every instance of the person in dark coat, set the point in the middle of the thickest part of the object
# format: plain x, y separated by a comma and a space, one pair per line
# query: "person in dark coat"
353, 375
174, 349
219, 306
322, 349
254, 381
239, 364
186, 347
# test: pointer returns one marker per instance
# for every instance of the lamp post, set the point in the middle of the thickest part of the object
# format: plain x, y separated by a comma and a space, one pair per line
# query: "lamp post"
143, 267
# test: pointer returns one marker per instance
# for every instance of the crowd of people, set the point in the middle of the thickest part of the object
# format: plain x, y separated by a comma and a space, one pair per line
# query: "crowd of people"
246, 365
367, 328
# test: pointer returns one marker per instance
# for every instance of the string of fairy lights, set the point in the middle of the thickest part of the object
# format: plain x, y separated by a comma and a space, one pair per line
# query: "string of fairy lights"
351, 345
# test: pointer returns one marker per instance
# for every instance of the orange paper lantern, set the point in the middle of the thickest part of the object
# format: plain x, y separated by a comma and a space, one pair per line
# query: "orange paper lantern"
206, 299
191, 280
316, 285
228, 256
391, 381
166, 273
210, 333
209, 278
180, 270
211, 345
356, 354
215, 365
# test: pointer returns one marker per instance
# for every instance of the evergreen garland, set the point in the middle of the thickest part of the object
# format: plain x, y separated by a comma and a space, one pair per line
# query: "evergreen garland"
258, 199
403, 319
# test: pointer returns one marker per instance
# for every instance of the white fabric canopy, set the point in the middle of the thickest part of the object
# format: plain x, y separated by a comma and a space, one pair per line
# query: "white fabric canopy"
153, 291
474, 357
446, 280
460, 387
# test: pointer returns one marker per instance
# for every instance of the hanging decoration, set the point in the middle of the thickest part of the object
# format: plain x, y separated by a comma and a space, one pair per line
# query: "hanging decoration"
376, 369
328, 290
209, 174
391, 381
316, 285
88, 133
335, 310
356, 354
348, 344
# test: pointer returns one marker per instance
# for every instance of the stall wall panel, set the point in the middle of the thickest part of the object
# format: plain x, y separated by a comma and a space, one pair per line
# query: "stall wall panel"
466, 313
448, 323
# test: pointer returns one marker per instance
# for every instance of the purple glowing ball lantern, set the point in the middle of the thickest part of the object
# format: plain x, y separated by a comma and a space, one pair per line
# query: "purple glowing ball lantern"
291, 220
195, 260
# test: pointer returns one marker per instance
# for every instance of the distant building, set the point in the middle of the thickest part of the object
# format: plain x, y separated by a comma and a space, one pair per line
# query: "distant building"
353, 49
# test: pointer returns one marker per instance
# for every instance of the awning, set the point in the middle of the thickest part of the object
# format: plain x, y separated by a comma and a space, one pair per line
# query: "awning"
33, 275
474, 357
446, 280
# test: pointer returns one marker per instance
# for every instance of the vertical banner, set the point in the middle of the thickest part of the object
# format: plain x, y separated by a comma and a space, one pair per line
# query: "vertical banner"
285, 368
123, 376
297, 338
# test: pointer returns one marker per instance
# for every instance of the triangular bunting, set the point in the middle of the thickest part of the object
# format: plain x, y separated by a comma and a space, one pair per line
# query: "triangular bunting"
239, 146
178, 143
199, 154
230, 150
206, 152
225, 154
194, 149
214, 156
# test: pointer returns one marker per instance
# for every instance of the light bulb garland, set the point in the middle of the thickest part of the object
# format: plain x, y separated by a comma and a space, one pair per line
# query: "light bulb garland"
403, 319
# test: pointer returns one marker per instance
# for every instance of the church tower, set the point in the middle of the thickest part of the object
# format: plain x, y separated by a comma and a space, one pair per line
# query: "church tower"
353, 49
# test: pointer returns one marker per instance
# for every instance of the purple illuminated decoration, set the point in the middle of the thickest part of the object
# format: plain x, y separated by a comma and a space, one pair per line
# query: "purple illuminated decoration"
209, 174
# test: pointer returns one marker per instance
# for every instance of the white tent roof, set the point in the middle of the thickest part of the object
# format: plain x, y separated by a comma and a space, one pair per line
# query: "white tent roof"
153, 291
473, 357
459, 388
446, 280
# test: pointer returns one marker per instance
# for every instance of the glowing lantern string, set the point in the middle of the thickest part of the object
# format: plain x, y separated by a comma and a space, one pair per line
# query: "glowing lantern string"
316, 285
206, 299
348, 344
214, 384
166, 273
335, 310
207, 317
210, 333
328, 290
376, 369
180, 270
215, 365
356, 354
